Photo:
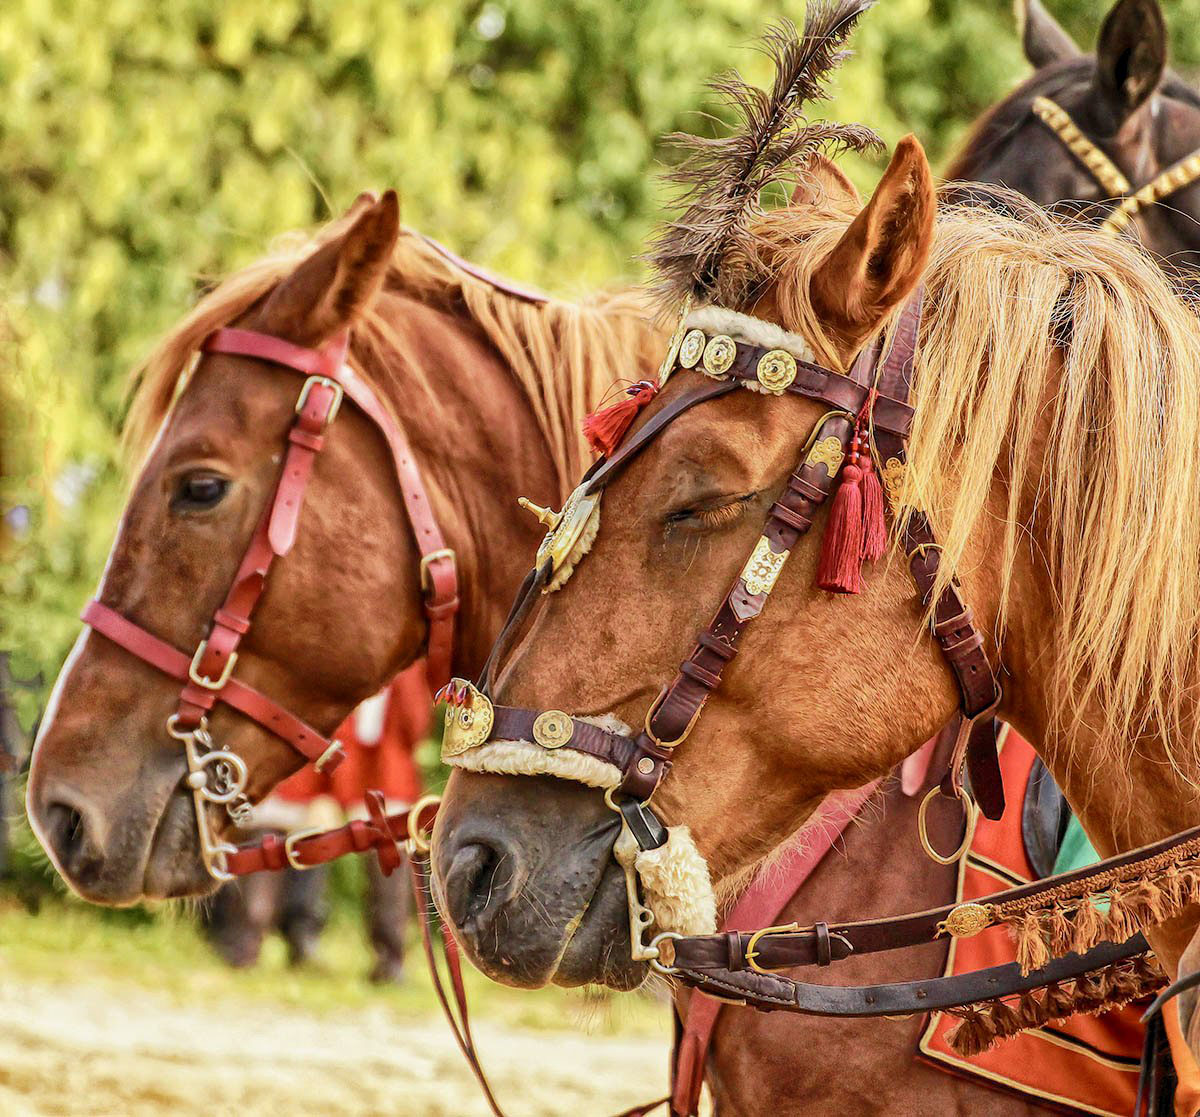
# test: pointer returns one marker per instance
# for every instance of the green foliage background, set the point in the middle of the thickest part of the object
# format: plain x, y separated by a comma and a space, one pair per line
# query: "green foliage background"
147, 145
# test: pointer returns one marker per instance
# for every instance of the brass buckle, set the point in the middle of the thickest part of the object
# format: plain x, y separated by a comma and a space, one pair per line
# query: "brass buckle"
203, 680
687, 729
289, 847
338, 395
972, 817
416, 837
752, 953
335, 747
428, 560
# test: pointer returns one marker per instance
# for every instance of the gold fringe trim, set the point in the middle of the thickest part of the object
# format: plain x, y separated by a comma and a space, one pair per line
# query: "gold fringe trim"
1108, 907
985, 1023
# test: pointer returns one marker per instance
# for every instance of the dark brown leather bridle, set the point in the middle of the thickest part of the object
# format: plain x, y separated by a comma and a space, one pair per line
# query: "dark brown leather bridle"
218, 775
739, 965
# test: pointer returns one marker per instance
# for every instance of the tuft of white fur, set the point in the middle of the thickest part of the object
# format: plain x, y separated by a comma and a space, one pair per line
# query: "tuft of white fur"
752, 331
676, 885
582, 545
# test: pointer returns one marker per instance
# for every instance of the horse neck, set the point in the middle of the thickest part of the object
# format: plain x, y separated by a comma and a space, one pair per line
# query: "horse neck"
478, 447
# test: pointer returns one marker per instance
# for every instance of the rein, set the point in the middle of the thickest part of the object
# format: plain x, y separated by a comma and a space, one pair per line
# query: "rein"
219, 775
1129, 201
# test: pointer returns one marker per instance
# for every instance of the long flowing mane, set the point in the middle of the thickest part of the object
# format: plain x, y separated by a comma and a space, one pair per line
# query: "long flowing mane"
1060, 361
564, 355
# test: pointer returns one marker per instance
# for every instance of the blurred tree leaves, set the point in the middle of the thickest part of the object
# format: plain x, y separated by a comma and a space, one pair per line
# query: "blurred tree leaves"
145, 147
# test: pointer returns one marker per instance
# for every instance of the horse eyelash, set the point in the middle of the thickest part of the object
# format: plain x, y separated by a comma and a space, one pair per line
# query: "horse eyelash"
721, 516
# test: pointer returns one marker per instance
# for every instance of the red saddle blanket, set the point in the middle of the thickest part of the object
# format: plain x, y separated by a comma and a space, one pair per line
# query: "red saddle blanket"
1088, 1064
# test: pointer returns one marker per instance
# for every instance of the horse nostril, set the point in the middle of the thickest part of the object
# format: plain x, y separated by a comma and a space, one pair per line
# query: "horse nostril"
65, 833
475, 883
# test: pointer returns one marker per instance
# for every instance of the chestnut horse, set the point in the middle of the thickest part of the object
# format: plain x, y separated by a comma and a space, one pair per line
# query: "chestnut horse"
490, 386
1053, 448
1145, 124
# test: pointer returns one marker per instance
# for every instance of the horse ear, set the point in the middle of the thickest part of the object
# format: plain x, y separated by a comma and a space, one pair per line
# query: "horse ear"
1042, 37
1131, 55
337, 282
823, 180
880, 257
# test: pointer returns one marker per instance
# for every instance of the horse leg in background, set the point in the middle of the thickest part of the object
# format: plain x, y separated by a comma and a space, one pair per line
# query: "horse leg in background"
304, 911
238, 916
389, 903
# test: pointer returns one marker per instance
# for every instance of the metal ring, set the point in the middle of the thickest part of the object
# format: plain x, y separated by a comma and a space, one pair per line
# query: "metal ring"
240, 775
417, 839
971, 815
655, 961
289, 847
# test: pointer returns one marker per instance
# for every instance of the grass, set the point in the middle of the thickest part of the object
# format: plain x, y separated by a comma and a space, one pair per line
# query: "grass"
62, 941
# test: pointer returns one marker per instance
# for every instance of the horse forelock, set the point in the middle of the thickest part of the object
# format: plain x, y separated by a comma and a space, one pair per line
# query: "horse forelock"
1057, 371
564, 355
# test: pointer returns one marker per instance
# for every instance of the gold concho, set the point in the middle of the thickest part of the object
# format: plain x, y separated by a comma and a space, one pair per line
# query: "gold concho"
776, 370
827, 452
967, 920
568, 526
893, 480
762, 569
468, 720
691, 348
552, 729
719, 354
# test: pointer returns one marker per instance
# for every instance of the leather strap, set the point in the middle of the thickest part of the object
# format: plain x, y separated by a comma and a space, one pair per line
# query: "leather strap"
240, 696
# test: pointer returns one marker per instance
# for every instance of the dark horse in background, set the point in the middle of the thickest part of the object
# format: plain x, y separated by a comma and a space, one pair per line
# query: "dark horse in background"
1144, 118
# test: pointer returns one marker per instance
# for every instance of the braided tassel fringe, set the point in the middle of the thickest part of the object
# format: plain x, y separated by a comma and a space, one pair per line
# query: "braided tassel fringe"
983, 1024
1112, 910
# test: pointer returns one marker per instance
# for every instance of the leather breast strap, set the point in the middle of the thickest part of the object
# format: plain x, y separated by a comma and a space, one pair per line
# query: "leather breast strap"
953, 624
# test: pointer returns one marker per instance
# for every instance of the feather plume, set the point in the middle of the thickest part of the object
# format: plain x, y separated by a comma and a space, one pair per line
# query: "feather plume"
721, 179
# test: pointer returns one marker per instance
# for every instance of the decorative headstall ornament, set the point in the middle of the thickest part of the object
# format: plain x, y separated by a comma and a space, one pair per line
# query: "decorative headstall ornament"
1129, 201
218, 776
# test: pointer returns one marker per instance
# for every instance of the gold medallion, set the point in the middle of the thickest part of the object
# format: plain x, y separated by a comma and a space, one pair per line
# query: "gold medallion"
469, 718
719, 354
827, 452
552, 729
967, 920
691, 348
776, 370
892, 475
762, 570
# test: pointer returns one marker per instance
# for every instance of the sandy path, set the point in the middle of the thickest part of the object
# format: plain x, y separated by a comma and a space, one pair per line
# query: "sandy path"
87, 1051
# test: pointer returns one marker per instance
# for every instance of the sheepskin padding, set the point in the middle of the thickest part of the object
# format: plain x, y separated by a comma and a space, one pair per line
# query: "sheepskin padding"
527, 758
752, 331
582, 545
675, 883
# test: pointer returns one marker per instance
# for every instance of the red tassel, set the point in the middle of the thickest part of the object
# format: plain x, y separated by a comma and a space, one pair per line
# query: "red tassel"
874, 544
840, 569
605, 428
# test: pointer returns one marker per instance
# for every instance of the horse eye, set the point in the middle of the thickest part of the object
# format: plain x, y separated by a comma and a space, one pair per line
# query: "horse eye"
199, 491
712, 516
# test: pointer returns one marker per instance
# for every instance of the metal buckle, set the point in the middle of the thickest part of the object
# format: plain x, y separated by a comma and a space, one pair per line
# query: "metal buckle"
428, 560
338, 395
686, 729
752, 953
972, 817
289, 847
335, 747
203, 680
416, 837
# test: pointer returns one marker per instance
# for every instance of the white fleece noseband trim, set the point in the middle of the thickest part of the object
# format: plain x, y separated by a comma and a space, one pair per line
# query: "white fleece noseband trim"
676, 886
751, 331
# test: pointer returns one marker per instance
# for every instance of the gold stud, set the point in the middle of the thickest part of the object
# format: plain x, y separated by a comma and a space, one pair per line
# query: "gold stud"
967, 920
552, 729
829, 453
719, 354
645, 765
776, 370
545, 516
691, 348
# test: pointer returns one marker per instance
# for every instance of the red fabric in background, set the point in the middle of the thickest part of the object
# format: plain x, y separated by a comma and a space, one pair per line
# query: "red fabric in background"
388, 764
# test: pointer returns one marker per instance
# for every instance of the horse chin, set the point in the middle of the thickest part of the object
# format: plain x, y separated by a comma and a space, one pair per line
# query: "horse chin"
174, 868
598, 953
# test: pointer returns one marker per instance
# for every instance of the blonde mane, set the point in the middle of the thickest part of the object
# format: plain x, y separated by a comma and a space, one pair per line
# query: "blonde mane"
564, 355
1060, 361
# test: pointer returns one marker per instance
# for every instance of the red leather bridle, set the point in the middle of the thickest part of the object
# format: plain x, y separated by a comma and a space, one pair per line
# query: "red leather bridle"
219, 775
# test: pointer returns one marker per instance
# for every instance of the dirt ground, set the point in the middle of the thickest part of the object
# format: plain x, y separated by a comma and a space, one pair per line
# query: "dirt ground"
88, 1051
